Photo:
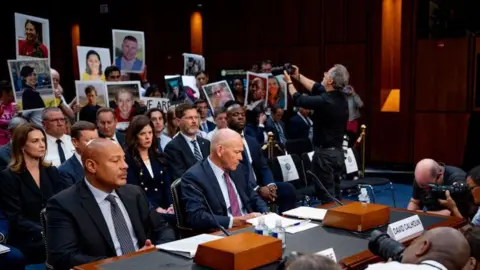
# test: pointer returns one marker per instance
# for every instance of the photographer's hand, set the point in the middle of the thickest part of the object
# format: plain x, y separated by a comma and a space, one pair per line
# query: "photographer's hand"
450, 204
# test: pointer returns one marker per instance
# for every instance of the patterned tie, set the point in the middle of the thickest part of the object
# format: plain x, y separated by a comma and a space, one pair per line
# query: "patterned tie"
196, 151
232, 196
281, 135
121, 229
60, 151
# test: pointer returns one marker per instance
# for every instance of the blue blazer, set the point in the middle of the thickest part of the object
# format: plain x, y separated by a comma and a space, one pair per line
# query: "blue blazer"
297, 128
157, 188
4, 156
137, 65
180, 157
202, 177
211, 126
259, 163
71, 171
256, 132
120, 137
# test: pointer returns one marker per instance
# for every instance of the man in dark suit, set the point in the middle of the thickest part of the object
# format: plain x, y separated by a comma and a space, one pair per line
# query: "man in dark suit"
102, 216
107, 124
276, 125
282, 193
186, 148
300, 126
202, 108
71, 172
225, 185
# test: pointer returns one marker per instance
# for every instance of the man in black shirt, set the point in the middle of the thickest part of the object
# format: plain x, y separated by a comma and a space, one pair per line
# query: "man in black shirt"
329, 123
428, 171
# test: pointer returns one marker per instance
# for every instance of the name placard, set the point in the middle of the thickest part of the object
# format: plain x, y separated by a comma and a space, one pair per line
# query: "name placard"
329, 253
405, 228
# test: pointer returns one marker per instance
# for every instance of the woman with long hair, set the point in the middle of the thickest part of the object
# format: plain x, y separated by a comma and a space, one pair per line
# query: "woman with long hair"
33, 44
172, 125
26, 186
146, 165
93, 67
276, 97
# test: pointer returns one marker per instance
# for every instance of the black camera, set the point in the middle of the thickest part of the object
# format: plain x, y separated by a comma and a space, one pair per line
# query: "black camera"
383, 246
458, 188
280, 69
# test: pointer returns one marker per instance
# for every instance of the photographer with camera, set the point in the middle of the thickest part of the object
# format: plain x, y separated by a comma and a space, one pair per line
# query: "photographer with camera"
429, 177
473, 186
440, 248
329, 123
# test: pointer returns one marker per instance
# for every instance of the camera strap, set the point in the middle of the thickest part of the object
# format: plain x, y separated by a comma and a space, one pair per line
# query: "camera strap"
431, 265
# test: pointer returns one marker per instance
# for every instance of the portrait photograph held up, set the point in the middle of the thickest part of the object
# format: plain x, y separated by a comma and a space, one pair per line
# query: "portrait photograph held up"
192, 63
32, 37
257, 90
92, 63
32, 83
91, 96
217, 93
122, 97
129, 50
175, 90
277, 92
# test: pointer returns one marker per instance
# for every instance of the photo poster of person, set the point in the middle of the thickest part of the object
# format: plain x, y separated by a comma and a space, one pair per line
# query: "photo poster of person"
190, 86
32, 84
217, 93
257, 90
192, 63
92, 63
32, 37
91, 96
277, 92
237, 80
122, 96
175, 90
129, 50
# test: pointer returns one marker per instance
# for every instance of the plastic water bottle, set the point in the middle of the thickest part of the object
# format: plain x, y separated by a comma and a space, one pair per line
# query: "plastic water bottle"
363, 196
261, 228
279, 232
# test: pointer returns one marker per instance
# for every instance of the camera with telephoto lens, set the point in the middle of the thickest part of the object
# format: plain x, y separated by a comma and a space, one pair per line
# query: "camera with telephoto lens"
383, 246
458, 188
286, 67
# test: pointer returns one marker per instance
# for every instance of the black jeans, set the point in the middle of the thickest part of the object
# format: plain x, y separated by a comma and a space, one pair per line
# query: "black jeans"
327, 165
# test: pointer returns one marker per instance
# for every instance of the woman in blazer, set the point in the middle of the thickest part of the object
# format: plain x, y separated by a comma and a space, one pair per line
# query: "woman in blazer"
26, 185
146, 166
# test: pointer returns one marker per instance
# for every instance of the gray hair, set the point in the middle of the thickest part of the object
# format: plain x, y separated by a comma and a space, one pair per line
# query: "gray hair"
340, 76
47, 110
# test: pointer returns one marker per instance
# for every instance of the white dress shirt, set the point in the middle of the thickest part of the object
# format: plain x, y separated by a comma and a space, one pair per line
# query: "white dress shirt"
52, 149
425, 265
164, 140
189, 142
223, 187
100, 196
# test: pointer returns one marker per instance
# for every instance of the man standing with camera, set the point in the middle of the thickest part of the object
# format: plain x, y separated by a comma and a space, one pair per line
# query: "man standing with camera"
429, 172
329, 123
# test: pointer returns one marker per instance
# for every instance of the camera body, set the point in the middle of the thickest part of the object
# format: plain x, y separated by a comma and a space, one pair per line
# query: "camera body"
383, 246
457, 189
280, 69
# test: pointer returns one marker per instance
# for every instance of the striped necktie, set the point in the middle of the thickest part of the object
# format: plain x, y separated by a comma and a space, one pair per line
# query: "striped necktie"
196, 151
121, 228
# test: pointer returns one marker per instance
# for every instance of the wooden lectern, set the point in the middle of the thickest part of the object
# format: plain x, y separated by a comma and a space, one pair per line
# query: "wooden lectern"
241, 251
357, 216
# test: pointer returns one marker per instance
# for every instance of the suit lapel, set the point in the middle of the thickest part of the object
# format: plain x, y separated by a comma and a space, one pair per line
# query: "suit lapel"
129, 201
28, 180
239, 182
77, 166
203, 147
214, 184
186, 149
91, 207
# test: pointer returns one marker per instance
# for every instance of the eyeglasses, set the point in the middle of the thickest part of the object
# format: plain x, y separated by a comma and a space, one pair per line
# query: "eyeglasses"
59, 120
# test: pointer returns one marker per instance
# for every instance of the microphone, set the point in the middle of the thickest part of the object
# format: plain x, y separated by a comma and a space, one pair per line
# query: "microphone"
209, 209
324, 188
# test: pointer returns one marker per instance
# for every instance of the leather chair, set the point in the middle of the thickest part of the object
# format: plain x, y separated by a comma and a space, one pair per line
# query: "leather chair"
179, 207
43, 221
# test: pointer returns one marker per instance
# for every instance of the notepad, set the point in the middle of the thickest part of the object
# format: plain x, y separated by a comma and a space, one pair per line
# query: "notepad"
271, 218
307, 213
188, 247
4, 249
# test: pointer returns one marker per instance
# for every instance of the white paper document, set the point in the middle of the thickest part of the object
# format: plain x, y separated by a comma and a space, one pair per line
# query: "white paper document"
300, 228
271, 218
289, 170
4, 249
188, 247
306, 212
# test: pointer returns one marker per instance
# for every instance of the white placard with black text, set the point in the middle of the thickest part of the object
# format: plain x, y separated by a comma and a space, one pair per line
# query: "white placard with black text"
405, 228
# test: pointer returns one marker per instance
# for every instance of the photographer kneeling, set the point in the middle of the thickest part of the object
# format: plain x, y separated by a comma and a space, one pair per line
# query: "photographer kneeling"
473, 184
441, 248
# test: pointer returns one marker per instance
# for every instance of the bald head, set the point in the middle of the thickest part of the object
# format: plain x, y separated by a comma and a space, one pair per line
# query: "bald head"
226, 149
445, 245
428, 171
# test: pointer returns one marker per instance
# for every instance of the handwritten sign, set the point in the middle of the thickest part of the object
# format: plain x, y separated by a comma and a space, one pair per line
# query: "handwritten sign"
405, 228
160, 103
329, 253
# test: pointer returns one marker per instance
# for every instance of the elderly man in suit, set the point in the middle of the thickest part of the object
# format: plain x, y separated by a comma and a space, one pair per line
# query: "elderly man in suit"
224, 183
71, 171
186, 148
102, 216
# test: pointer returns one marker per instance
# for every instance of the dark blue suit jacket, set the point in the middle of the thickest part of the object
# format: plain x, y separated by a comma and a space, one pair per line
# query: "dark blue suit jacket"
211, 126
255, 132
4, 156
157, 188
71, 171
180, 157
120, 137
259, 163
201, 176
297, 128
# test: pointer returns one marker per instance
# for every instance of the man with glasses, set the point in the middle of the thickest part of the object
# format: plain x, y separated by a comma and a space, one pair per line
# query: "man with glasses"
59, 144
428, 171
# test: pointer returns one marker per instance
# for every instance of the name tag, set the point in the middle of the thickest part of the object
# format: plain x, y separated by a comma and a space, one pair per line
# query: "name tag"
405, 228
329, 253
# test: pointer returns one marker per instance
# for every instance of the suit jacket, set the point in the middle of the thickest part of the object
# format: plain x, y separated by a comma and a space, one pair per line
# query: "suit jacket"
156, 188
211, 126
22, 200
78, 233
270, 126
259, 163
255, 132
180, 157
297, 128
203, 178
5, 156
120, 137
71, 171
